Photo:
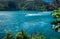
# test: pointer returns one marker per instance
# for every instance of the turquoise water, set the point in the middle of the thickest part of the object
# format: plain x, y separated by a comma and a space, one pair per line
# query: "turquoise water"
29, 21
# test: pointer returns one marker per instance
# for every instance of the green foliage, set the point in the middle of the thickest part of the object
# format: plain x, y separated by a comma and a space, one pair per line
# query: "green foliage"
56, 13
59, 10
19, 35
22, 35
13, 5
58, 37
2, 6
38, 36
52, 38
8, 36
56, 23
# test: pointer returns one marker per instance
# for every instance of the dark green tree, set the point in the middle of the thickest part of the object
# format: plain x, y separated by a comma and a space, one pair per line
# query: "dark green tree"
11, 5
9, 35
22, 35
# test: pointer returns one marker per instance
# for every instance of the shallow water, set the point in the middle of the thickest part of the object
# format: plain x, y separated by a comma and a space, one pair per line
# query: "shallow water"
29, 21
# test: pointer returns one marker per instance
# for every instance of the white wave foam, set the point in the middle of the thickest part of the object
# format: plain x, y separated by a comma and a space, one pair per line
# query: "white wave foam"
39, 14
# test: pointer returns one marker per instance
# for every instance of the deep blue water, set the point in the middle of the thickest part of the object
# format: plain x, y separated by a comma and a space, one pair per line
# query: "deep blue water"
29, 21
48, 0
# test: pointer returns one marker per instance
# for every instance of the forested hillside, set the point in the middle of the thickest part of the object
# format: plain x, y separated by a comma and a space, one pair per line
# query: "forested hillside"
34, 5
